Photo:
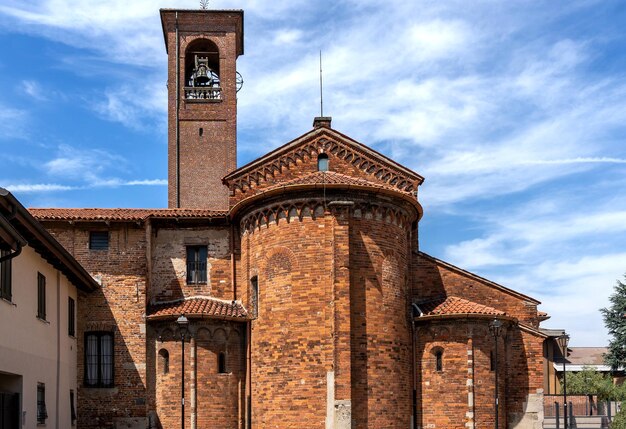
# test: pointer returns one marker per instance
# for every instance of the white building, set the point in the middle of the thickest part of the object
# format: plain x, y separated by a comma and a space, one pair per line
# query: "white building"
39, 283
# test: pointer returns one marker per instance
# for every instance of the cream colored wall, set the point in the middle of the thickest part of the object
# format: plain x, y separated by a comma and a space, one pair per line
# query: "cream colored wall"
39, 351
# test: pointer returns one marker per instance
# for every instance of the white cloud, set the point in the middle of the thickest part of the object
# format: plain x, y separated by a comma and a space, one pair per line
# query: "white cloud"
12, 123
38, 187
139, 106
34, 90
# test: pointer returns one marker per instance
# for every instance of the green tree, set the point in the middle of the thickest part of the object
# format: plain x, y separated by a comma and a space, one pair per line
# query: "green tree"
590, 382
615, 322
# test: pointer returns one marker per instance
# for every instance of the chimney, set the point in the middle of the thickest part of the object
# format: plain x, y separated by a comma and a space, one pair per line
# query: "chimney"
322, 121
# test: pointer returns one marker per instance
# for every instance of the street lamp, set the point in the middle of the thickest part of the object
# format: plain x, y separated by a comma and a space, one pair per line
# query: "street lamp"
183, 324
496, 329
562, 342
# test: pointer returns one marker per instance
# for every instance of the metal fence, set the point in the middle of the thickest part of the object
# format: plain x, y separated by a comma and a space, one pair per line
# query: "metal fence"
583, 411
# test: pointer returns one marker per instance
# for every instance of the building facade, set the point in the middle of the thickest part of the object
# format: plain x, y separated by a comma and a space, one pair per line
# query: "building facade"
307, 298
39, 284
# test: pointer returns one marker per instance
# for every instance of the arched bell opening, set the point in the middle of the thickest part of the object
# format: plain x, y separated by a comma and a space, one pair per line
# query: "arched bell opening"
202, 71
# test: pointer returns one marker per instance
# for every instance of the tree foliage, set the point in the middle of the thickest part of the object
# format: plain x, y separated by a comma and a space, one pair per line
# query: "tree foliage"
591, 382
616, 324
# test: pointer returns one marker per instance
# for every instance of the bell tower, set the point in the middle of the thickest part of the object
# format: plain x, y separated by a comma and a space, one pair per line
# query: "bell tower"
202, 48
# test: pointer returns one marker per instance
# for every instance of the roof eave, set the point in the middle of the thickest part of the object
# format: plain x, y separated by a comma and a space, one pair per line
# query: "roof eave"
312, 134
302, 187
479, 278
67, 264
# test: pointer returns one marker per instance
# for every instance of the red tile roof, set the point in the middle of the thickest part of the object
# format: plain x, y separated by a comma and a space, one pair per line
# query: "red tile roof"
452, 305
92, 214
199, 307
333, 178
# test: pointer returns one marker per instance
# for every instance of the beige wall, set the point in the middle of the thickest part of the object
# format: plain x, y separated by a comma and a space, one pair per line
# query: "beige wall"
39, 351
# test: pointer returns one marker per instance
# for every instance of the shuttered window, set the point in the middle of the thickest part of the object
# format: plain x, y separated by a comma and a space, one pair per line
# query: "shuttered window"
5, 277
71, 317
41, 296
98, 240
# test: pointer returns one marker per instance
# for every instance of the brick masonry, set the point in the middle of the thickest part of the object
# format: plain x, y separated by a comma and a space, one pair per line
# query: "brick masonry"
331, 341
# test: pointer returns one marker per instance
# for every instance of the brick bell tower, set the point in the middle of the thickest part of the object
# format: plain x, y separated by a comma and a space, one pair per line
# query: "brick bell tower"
202, 48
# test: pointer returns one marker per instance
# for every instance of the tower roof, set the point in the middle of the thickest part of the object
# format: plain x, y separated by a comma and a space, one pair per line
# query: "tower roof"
200, 20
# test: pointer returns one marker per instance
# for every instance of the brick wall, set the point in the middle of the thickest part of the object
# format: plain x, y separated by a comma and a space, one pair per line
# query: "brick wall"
333, 299
463, 393
433, 279
117, 307
212, 399
169, 268
205, 159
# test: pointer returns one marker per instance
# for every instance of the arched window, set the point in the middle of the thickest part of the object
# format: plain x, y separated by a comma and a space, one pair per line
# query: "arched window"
164, 361
221, 363
322, 162
202, 71
254, 295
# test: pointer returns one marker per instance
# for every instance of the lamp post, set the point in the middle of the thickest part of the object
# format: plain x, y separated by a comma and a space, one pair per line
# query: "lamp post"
183, 324
562, 342
496, 329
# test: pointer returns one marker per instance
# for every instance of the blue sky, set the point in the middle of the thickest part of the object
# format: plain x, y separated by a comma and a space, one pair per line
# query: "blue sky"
515, 112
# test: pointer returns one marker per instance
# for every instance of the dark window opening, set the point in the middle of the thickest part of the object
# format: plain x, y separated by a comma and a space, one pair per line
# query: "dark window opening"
202, 64
221, 363
201, 131
5, 277
322, 162
196, 264
41, 296
71, 317
439, 360
254, 295
164, 361
99, 359
72, 408
42, 413
99, 240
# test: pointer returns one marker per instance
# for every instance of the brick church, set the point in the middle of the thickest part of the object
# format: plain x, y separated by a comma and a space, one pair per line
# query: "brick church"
286, 293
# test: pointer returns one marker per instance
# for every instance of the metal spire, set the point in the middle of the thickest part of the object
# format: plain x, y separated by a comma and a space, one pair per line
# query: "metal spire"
321, 88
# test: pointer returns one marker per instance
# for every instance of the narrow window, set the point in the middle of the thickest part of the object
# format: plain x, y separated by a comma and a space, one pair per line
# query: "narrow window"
164, 361
71, 317
201, 131
72, 408
196, 264
221, 363
99, 359
41, 296
322, 162
254, 295
99, 240
42, 413
439, 360
5, 277
492, 361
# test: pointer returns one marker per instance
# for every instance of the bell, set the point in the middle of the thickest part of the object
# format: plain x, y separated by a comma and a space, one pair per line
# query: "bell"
201, 74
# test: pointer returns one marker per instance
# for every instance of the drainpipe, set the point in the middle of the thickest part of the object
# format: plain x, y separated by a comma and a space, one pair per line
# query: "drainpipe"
58, 377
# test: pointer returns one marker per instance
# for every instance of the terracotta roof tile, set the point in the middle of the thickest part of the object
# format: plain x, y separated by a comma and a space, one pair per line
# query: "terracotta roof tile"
199, 307
333, 178
452, 305
91, 214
